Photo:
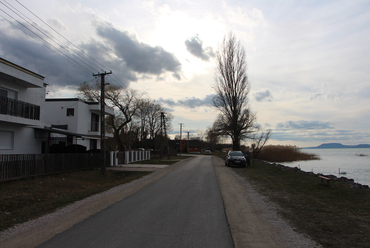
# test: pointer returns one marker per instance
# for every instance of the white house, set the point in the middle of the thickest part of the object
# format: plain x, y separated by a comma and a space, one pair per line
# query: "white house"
73, 121
22, 98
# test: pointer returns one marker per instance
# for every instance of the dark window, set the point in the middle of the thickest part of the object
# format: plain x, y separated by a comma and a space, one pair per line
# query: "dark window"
3, 93
93, 144
70, 112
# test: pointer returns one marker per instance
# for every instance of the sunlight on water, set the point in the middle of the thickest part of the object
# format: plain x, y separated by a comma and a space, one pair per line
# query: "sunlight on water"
355, 163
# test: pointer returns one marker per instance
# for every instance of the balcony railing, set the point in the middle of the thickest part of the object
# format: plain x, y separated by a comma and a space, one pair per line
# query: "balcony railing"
14, 107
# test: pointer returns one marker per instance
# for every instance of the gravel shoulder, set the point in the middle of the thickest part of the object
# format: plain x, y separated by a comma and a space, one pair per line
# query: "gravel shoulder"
253, 220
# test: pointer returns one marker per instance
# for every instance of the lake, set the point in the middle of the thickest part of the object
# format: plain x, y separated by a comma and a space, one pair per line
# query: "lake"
355, 162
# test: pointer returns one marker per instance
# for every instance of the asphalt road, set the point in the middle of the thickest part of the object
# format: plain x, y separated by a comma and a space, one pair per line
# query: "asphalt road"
182, 209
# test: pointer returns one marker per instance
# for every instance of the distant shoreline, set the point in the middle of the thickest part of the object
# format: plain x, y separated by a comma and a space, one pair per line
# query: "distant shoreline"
337, 146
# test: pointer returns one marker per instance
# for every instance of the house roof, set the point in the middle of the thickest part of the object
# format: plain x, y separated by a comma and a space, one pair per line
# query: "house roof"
6, 62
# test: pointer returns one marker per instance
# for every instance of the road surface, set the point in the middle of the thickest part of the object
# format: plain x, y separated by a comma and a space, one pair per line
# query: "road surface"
182, 209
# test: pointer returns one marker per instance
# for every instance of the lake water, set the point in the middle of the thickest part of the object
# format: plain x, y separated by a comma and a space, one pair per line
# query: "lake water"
332, 160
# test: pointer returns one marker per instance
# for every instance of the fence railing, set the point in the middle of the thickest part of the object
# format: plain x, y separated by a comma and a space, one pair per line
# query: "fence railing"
18, 108
22, 165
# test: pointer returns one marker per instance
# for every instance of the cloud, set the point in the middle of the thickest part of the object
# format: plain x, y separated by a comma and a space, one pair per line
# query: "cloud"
304, 125
195, 46
138, 56
188, 102
123, 54
263, 96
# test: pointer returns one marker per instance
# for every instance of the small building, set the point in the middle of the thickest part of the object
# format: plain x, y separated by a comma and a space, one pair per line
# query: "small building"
74, 122
189, 146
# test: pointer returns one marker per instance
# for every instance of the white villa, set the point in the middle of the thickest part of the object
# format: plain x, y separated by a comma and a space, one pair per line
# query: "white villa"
77, 122
29, 124
22, 98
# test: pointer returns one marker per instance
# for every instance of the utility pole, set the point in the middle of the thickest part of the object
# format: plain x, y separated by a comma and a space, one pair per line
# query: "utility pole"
188, 142
161, 150
180, 135
165, 135
102, 120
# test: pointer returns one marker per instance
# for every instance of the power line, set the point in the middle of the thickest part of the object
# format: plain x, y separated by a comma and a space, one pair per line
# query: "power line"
60, 35
84, 68
47, 35
85, 62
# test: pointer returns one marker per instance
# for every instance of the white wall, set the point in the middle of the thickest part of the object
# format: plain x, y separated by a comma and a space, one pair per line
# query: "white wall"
24, 141
56, 114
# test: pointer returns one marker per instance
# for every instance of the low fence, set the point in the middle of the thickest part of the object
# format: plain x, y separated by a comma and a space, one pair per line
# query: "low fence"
128, 157
23, 165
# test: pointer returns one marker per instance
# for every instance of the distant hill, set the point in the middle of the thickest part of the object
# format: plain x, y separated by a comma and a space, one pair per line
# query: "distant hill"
337, 145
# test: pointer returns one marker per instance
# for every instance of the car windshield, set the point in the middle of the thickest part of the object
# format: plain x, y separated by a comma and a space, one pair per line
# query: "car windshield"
236, 153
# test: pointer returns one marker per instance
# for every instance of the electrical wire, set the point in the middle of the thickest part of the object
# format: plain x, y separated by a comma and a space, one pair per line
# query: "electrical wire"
51, 38
61, 35
88, 61
82, 67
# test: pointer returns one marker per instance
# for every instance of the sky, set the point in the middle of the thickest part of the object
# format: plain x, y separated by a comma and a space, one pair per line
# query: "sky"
308, 61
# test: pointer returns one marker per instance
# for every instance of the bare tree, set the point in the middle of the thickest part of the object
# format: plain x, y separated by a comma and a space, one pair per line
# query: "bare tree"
259, 142
125, 100
232, 88
212, 138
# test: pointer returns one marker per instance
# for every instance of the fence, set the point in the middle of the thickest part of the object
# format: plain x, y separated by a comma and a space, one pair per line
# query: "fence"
130, 157
22, 165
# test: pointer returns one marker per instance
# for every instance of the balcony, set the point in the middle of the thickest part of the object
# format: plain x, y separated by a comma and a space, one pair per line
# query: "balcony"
17, 108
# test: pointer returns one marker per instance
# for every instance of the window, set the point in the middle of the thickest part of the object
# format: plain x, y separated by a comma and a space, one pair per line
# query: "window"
3, 93
8, 93
6, 140
94, 122
70, 112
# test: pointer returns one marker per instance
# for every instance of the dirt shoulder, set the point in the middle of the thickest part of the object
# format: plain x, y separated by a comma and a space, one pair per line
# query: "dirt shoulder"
253, 220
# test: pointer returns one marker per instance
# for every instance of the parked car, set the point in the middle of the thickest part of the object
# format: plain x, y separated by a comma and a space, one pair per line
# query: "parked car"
247, 156
207, 152
235, 158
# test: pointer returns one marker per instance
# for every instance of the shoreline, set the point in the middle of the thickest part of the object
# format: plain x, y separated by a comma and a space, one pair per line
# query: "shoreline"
349, 181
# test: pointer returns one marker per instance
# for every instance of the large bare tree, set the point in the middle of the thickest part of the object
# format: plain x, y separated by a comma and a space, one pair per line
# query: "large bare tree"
126, 101
232, 88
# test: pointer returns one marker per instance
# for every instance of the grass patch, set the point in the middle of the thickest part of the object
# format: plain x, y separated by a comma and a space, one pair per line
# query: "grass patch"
30, 198
164, 160
334, 215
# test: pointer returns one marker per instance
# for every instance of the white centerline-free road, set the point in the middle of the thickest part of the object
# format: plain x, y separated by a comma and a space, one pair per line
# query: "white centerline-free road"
182, 209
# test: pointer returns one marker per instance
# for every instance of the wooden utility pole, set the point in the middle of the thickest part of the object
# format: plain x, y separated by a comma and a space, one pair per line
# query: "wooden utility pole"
180, 135
161, 150
102, 120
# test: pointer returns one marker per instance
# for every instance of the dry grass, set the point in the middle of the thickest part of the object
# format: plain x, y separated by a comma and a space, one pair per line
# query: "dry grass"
280, 153
30, 198
334, 215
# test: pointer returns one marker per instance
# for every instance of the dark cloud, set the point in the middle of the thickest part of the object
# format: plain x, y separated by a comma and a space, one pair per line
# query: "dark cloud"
138, 56
121, 53
306, 125
195, 46
188, 102
263, 96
